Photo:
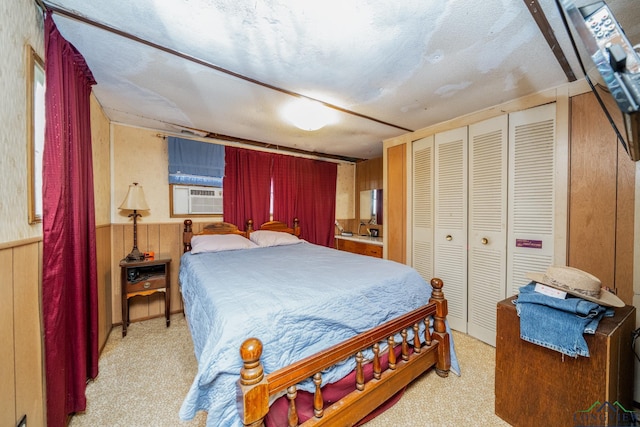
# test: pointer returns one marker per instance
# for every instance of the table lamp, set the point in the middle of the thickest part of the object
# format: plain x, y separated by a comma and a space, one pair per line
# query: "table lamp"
135, 201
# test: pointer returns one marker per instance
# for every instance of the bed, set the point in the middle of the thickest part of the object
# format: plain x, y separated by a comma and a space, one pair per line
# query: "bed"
278, 322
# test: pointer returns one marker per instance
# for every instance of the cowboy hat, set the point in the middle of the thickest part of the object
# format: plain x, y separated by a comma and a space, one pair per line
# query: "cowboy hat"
578, 283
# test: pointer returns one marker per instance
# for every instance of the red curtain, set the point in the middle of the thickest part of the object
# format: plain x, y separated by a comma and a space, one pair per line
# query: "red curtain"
247, 186
379, 207
306, 189
285, 188
69, 269
302, 188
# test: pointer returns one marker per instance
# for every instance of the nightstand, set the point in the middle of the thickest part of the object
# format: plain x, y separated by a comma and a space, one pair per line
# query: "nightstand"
143, 278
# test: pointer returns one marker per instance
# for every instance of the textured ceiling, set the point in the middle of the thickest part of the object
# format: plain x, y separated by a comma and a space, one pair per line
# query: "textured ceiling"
388, 67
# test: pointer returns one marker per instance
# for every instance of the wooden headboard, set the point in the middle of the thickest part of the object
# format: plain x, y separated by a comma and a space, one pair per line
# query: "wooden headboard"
228, 228
278, 226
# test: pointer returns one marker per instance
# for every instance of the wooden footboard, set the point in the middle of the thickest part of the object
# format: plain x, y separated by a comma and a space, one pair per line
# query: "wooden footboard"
432, 349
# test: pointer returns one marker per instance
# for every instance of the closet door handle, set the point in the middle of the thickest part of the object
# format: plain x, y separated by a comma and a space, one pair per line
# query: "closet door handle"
484, 241
449, 237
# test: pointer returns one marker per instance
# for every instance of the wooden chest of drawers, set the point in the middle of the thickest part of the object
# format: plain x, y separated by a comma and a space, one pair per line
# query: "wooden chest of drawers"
536, 386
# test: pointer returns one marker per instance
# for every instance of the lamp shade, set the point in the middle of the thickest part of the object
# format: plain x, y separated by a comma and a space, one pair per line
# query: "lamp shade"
135, 199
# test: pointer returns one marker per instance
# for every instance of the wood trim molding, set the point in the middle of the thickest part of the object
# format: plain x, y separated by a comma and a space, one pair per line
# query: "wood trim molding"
549, 35
17, 243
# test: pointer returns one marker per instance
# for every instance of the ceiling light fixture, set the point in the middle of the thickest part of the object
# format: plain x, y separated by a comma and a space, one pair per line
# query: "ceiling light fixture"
309, 115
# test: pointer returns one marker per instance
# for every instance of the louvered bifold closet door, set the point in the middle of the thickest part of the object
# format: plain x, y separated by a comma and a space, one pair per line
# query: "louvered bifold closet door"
422, 195
487, 225
450, 231
532, 136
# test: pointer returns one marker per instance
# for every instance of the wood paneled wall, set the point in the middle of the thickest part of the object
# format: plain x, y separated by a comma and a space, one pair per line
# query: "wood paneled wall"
22, 378
601, 199
21, 359
103, 256
369, 174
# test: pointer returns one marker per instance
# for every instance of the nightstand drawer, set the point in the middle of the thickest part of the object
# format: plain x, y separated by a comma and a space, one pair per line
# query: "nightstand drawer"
147, 284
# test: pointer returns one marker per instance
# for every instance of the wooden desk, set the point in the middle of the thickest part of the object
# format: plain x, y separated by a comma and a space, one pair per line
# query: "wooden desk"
536, 386
142, 278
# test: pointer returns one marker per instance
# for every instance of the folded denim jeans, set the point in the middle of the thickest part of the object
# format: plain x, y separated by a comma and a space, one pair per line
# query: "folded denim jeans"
558, 324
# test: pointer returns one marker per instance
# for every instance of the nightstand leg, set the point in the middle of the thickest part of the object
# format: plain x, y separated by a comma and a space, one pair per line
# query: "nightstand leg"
125, 316
167, 306
124, 299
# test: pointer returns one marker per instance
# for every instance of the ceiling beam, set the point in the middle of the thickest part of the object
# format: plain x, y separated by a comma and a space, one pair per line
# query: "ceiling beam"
541, 19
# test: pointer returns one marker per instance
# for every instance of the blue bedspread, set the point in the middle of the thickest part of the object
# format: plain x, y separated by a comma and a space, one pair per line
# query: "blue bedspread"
297, 299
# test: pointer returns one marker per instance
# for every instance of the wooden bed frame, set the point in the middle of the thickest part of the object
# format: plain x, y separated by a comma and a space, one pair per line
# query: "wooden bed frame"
255, 389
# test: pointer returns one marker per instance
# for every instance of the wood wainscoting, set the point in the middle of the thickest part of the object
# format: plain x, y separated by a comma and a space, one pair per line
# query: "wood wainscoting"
22, 378
21, 358
105, 278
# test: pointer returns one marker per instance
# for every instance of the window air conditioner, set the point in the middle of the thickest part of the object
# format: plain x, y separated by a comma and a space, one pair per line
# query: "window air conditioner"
192, 200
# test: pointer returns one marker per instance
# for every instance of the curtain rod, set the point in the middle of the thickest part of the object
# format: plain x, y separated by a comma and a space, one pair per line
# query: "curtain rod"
77, 17
264, 145
41, 5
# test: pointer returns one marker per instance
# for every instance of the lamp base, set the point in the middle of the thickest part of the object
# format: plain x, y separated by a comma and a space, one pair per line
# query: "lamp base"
135, 255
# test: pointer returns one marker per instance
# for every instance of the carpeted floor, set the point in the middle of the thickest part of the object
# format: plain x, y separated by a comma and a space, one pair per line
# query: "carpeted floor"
145, 376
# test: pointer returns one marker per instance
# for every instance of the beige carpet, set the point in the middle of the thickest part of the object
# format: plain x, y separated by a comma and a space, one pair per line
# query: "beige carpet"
145, 376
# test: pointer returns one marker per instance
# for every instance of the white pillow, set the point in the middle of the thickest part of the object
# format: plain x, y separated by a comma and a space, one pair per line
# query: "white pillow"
219, 242
265, 238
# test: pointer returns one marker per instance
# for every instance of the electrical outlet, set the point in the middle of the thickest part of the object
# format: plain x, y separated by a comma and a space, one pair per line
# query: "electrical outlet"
23, 421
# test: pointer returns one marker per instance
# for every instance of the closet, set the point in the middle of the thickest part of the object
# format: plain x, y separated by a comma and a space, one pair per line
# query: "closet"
482, 204
487, 219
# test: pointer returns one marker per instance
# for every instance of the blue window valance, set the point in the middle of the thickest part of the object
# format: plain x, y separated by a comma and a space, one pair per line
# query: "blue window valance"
195, 163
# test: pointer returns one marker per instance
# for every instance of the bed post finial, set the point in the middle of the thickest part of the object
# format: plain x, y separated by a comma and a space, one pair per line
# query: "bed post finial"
437, 285
186, 235
253, 389
249, 228
296, 227
250, 352
443, 365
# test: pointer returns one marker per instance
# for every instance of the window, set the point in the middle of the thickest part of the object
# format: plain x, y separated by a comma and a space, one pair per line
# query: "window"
35, 133
196, 170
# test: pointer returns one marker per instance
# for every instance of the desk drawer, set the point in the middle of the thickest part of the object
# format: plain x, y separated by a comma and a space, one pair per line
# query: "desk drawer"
360, 248
373, 250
